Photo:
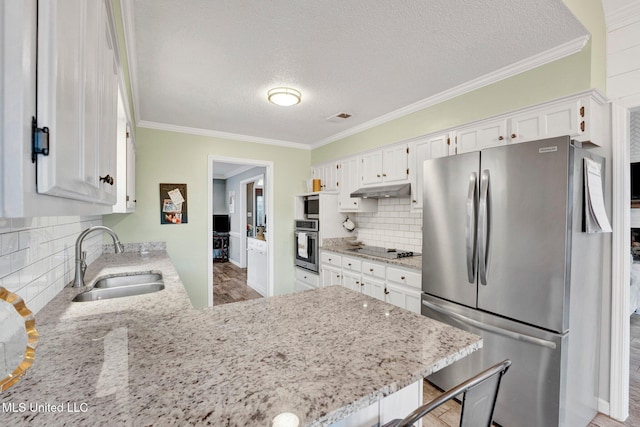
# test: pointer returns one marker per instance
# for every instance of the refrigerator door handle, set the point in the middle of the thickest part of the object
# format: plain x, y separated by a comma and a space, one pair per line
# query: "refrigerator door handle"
472, 205
490, 328
484, 228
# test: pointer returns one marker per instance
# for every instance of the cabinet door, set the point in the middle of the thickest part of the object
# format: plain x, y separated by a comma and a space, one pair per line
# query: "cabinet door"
371, 168
330, 177
131, 173
554, 120
373, 287
73, 37
429, 148
351, 281
330, 276
395, 164
348, 184
485, 135
403, 297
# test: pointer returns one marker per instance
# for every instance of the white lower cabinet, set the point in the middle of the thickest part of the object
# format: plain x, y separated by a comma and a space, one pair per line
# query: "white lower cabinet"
394, 284
395, 406
257, 265
306, 280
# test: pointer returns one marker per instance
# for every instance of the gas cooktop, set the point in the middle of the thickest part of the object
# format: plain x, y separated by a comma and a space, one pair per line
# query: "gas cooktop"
390, 253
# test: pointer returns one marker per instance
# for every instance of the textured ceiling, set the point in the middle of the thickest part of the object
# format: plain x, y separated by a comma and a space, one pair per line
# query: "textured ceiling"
207, 64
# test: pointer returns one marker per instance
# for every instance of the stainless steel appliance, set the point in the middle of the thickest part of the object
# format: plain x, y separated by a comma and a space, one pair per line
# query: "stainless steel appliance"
504, 256
306, 234
311, 205
389, 253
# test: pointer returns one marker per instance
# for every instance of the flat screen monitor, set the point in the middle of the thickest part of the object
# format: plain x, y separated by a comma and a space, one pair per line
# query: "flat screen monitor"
221, 223
635, 181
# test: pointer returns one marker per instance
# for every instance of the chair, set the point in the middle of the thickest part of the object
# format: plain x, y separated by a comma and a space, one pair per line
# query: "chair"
479, 396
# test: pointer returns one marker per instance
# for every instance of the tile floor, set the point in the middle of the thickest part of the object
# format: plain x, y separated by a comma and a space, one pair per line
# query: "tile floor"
230, 284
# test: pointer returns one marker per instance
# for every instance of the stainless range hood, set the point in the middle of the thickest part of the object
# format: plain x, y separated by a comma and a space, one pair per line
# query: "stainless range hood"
380, 192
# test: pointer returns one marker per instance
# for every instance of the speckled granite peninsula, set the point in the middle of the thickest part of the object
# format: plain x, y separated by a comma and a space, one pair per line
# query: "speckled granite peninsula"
154, 360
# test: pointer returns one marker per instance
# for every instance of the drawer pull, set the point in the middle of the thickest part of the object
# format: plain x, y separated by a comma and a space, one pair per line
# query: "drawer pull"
349, 264
402, 277
371, 269
386, 291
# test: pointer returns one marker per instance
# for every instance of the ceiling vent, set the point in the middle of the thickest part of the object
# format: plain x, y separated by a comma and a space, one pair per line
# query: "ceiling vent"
337, 118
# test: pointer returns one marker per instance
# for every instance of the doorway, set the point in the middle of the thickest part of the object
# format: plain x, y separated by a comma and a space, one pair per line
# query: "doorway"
228, 180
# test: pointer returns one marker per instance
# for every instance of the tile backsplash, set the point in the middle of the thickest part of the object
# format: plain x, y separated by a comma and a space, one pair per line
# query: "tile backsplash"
393, 226
37, 255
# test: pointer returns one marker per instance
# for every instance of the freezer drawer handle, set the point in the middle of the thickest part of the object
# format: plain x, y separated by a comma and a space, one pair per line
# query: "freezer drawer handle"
472, 204
490, 328
484, 227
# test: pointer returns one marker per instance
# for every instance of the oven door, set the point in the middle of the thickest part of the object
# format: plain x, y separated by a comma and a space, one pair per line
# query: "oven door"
306, 256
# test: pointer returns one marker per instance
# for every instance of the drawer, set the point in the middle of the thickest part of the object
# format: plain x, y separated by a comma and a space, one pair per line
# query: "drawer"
409, 278
307, 277
351, 264
331, 258
372, 269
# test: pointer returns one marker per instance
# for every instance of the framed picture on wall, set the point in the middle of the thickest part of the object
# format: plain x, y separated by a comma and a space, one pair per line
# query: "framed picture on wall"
173, 204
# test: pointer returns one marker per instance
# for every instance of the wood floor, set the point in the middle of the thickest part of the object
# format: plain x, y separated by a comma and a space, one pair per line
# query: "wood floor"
448, 415
230, 284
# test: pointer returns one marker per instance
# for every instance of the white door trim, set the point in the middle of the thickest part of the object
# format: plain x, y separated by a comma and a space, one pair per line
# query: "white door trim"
271, 229
620, 326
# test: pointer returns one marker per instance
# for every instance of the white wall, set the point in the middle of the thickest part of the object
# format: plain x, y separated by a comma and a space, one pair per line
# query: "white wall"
37, 255
219, 197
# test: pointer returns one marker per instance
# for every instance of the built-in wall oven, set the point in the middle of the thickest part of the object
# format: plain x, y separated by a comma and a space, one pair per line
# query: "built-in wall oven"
305, 244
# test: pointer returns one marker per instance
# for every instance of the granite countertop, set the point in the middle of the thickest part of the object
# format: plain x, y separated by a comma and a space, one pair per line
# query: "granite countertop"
154, 360
342, 246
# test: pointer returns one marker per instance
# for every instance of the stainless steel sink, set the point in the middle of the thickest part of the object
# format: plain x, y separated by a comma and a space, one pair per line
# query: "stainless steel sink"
96, 294
128, 279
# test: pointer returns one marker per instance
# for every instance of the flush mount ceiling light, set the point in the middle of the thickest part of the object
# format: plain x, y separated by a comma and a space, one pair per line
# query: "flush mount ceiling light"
284, 96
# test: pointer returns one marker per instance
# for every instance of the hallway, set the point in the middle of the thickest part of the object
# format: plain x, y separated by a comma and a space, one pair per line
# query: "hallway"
230, 284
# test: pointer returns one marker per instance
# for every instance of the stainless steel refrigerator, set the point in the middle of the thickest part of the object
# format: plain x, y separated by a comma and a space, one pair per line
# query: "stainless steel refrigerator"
504, 256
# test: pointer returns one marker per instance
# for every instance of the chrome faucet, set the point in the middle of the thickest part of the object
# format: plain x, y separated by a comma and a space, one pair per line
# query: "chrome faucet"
81, 256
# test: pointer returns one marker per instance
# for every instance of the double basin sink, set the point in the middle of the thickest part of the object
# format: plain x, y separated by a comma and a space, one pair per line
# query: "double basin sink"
123, 285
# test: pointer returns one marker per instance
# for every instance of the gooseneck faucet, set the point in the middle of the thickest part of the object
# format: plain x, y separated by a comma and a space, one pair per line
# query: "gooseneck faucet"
81, 256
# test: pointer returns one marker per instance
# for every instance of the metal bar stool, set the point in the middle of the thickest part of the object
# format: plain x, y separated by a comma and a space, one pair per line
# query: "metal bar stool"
479, 396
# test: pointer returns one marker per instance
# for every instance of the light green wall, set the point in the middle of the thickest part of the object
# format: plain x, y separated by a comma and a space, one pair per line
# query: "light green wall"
575, 73
169, 157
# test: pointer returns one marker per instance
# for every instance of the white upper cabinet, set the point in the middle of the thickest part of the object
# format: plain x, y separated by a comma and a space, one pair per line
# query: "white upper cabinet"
479, 136
77, 100
328, 175
125, 163
428, 147
348, 178
388, 165
556, 120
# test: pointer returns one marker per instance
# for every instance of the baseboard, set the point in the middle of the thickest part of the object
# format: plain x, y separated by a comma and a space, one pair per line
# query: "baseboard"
603, 407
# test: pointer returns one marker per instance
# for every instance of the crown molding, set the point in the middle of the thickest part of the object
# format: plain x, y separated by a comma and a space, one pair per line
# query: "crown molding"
558, 52
223, 135
623, 16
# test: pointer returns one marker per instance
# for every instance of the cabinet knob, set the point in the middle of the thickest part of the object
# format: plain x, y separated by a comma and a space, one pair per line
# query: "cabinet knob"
108, 179
357, 282
378, 175
500, 138
329, 259
361, 283
355, 203
513, 135
371, 269
415, 201
349, 264
384, 174
402, 277
337, 275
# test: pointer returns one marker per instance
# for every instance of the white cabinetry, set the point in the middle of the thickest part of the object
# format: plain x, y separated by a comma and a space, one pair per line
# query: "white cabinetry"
425, 148
126, 164
348, 179
555, 120
478, 136
387, 165
77, 100
257, 265
394, 284
61, 51
306, 280
327, 173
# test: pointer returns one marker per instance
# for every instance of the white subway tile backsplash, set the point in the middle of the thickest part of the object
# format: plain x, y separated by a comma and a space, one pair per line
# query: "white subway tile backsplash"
37, 255
394, 225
